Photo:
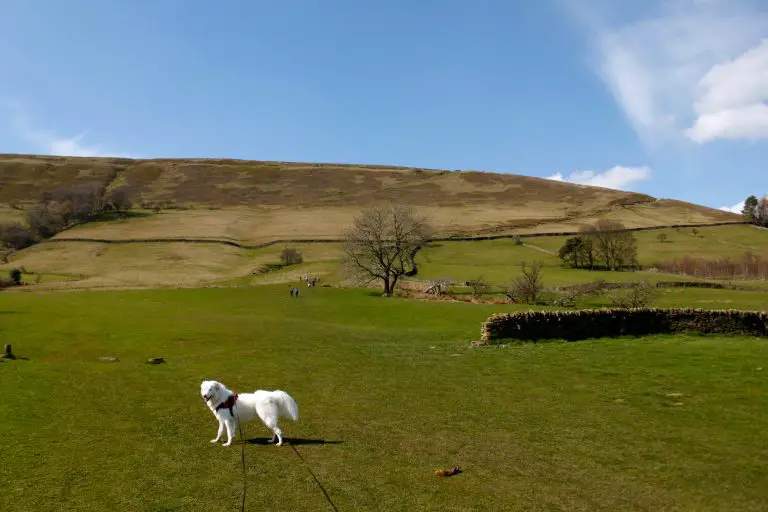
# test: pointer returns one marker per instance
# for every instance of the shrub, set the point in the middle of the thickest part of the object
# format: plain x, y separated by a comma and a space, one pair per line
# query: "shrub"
638, 296
290, 256
596, 323
661, 237
15, 275
518, 240
479, 286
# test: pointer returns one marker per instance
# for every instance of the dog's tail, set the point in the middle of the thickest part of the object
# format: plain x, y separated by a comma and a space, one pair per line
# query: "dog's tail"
286, 404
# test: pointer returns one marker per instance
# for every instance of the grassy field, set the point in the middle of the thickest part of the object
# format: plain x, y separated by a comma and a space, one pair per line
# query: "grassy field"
387, 390
710, 243
498, 261
97, 265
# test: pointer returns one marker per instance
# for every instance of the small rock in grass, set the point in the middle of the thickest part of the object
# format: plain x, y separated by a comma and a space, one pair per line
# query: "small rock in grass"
155, 360
619, 400
109, 359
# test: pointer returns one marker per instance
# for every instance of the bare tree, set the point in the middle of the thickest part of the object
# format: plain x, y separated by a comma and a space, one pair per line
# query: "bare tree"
761, 212
614, 245
528, 285
381, 242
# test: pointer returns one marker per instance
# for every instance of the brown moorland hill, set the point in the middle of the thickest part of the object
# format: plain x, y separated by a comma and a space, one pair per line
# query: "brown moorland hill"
256, 202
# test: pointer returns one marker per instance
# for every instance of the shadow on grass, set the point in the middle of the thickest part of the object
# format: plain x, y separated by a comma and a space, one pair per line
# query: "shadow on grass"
297, 441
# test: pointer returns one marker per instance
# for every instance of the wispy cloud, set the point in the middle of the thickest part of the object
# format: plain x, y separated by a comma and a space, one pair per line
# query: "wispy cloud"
688, 68
733, 209
51, 144
620, 178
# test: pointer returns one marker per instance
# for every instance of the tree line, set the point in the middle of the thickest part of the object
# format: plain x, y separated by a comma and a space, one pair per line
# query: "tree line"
62, 208
607, 245
756, 210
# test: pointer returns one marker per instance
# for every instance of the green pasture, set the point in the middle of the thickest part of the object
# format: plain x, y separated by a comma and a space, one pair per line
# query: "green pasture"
388, 390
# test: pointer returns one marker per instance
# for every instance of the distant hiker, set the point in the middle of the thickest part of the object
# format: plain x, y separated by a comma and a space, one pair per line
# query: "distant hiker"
290, 290
296, 292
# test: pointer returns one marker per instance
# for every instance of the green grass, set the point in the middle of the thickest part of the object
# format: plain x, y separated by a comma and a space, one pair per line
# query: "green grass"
710, 243
498, 262
593, 425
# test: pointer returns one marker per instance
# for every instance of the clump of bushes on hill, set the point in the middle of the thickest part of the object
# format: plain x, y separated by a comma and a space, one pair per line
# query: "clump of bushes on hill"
605, 245
15, 236
62, 208
290, 256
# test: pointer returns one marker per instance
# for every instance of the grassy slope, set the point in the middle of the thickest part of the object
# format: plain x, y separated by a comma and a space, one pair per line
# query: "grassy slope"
584, 426
92, 265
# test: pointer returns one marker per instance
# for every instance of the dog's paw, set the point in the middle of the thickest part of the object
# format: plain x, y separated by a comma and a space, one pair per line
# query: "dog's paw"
227, 444
214, 440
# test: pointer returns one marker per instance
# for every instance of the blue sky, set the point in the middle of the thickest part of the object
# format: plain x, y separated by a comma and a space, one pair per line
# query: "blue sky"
662, 97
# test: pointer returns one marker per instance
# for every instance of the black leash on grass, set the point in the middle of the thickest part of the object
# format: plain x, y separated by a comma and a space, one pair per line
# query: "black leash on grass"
245, 479
327, 498
242, 457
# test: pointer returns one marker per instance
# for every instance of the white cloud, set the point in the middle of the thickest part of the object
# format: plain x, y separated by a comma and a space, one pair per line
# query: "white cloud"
51, 144
733, 209
618, 177
731, 99
689, 68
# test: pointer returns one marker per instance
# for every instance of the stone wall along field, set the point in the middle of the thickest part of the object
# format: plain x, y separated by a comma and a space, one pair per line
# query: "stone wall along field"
598, 323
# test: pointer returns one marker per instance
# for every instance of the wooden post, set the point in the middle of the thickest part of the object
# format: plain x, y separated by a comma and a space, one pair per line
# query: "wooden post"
8, 352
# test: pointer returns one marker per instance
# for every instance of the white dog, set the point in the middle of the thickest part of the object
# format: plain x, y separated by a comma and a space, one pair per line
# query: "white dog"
232, 409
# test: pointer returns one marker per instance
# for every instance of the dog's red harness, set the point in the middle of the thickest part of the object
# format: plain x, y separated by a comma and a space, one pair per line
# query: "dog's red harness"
229, 403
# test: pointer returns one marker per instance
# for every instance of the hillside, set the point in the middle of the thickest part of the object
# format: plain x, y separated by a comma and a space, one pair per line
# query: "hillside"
256, 202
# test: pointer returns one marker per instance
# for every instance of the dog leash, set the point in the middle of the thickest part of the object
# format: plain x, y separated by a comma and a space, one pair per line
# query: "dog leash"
296, 451
327, 498
242, 457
